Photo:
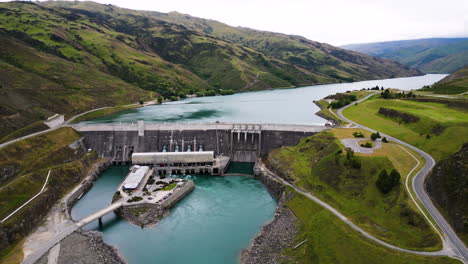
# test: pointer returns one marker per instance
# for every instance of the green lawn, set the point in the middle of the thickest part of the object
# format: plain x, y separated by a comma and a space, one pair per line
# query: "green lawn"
315, 166
432, 115
330, 240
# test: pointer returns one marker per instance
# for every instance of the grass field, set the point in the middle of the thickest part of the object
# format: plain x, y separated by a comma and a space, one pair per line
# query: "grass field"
330, 240
315, 166
432, 116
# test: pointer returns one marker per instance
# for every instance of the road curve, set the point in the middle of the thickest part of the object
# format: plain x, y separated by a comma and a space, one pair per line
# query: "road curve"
452, 241
442, 252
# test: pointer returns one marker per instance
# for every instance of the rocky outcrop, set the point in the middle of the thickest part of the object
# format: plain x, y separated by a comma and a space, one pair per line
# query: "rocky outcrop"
275, 187
447, 185
144, 215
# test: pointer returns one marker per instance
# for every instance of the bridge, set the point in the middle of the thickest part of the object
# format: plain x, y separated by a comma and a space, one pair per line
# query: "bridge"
241, 142
34, 257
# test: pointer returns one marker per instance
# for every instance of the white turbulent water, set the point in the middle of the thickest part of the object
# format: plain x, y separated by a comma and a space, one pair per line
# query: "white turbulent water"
286, 106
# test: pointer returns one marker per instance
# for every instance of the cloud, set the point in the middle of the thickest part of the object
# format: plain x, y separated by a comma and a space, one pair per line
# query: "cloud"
332, 21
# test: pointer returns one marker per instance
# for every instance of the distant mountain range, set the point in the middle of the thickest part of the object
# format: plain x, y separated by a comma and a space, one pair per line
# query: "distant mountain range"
435, 55
70, 56
455, 83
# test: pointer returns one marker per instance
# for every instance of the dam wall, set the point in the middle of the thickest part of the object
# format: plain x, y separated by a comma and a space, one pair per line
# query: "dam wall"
241, 142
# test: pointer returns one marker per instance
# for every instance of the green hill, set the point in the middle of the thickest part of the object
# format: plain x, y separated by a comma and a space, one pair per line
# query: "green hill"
455, 83
436, 55
67, 57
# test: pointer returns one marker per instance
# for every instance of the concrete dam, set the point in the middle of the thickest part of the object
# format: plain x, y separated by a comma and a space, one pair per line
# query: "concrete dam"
240, 142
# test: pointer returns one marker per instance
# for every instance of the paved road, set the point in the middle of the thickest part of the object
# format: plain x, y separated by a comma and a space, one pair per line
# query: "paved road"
443, 252
199, 126
66, 123
451, 239
34, 257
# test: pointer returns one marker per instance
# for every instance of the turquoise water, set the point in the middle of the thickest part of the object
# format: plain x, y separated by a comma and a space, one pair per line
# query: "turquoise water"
286, 106
210, 225
222, 214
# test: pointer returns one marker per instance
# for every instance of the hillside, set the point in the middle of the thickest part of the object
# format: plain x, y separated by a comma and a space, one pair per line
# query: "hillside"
448, 187
67, 57
347, 181
455, 83
437, 55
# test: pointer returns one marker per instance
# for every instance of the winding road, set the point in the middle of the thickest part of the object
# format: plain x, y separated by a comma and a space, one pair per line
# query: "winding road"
451, 240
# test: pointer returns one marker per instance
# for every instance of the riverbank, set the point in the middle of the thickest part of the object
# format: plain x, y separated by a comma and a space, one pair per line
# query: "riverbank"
267, 246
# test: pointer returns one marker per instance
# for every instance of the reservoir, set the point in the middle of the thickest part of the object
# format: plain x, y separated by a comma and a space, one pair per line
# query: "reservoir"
222, 215
285, 106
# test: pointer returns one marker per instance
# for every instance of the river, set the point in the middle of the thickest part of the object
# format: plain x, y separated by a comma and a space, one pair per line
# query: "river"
211, 225
222, 214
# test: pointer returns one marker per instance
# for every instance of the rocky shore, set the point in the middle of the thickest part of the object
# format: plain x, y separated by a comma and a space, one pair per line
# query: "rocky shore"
143, 215
334, 121
279, 234
85, 247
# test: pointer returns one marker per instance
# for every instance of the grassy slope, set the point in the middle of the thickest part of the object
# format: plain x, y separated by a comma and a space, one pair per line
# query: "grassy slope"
33, 128
430, 114
428, 55
24, 166
329, 240
455, 83
314, 166
319, 57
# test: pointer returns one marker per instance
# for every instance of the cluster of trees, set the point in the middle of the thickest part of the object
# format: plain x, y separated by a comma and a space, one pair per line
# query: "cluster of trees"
386, 182
342, 100
352, 160
376, 88
404, 117
389, 95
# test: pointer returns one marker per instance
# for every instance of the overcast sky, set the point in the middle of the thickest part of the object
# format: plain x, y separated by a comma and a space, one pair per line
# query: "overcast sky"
336, 22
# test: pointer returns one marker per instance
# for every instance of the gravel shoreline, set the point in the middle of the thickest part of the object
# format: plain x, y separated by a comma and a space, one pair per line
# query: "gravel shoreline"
267, 246
85, 247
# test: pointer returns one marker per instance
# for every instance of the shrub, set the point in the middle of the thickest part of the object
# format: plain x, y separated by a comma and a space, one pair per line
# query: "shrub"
355, 163
428, 136
384, 140
358, 135
367, 145
375, 136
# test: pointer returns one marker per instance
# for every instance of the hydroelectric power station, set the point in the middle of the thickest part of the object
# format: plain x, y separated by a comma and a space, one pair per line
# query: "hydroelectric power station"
174, 148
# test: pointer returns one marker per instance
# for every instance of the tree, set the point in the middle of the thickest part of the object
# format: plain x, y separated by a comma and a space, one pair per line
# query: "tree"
375, 136
395, 177
386, 182
384, 140
383, 183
